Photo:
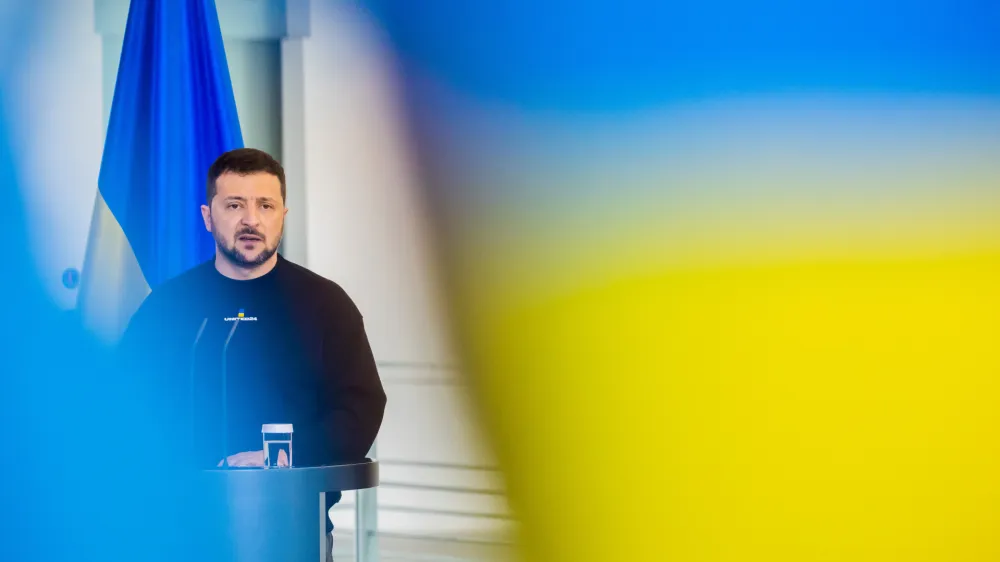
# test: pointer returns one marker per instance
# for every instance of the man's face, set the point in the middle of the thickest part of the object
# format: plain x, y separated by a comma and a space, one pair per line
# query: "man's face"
246, 217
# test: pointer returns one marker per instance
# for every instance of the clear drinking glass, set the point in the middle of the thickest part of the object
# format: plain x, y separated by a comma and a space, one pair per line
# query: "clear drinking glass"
277, 437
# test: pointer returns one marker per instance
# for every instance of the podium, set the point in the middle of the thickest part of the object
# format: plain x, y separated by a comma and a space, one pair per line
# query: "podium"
276, 514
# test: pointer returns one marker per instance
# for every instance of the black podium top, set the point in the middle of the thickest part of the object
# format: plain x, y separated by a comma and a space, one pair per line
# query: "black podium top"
312, 479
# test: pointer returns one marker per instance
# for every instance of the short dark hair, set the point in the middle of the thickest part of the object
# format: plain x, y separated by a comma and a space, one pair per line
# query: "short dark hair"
243, 162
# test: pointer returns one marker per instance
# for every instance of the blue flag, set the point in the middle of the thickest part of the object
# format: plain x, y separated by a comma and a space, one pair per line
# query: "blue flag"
173, 113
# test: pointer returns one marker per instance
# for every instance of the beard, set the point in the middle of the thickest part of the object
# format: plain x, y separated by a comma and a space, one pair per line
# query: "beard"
237, 257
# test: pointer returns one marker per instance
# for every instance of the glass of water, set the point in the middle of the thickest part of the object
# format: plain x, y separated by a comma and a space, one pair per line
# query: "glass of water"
277, 437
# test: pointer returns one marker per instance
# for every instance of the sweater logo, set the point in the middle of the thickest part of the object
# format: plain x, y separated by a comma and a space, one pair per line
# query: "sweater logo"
241, 317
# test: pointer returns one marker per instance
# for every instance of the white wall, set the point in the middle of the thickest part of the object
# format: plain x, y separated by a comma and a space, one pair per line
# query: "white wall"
365, 222
56, 119
367, 230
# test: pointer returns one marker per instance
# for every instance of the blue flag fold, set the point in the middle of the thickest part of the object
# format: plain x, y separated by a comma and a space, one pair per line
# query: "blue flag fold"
173, 113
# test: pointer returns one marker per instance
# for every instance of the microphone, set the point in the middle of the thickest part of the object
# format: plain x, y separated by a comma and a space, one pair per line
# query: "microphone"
225, 392
194, 347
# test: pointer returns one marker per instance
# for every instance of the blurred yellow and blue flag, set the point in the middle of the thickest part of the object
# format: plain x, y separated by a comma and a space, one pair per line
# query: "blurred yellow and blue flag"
173, 113
725, 273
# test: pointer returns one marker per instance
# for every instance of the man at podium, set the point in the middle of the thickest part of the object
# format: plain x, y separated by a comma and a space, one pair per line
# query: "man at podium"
249, 338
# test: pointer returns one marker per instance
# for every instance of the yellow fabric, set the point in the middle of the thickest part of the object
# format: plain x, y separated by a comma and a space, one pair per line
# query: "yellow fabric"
742, 365
111, 285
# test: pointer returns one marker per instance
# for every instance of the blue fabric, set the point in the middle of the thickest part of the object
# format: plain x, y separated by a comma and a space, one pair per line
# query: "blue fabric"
635, 54
173, 113
62, 498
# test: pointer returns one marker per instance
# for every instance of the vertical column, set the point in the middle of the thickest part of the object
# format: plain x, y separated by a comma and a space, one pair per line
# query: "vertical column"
293, 127
294, 144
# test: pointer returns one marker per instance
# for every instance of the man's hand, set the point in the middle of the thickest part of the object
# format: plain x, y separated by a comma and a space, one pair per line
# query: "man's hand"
254, 458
